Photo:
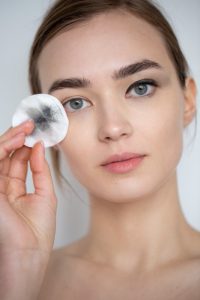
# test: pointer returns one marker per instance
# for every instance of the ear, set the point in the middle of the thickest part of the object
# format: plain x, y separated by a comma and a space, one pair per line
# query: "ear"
189, 100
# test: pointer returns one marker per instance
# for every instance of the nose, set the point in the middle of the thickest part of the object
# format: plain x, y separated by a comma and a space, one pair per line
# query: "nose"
114, 125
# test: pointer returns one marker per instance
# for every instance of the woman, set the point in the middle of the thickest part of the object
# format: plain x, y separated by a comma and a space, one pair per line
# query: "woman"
119, 72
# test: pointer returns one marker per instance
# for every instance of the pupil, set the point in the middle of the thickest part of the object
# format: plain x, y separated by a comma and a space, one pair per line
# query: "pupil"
75, 104
141, 89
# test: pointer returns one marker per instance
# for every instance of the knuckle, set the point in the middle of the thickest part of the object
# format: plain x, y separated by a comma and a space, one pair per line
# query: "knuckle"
4, 151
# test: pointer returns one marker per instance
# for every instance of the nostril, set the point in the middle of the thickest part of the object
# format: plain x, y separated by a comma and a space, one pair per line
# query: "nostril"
124, 134
115, 136
107, 138
114, 130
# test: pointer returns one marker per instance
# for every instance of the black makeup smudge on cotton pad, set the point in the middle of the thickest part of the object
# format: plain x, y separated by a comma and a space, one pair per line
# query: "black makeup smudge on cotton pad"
43, 117
48, 115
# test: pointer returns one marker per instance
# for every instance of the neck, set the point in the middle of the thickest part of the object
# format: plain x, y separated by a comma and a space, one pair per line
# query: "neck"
141, 234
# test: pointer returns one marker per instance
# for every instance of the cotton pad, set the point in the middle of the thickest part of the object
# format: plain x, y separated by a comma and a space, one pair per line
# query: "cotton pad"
49, 116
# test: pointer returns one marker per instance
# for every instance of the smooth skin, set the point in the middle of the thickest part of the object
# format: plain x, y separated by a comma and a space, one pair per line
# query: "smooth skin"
139, 245
27, 221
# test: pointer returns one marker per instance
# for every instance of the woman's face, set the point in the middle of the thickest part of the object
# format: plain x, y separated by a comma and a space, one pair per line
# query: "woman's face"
109, 112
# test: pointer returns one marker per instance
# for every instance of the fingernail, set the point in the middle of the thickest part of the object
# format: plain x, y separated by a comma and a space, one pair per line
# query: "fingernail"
27, 122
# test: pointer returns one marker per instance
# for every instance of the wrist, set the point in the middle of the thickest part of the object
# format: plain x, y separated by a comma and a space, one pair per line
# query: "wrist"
22, 274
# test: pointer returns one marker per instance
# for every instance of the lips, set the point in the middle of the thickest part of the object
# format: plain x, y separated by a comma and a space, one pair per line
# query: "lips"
121, 158
123, 163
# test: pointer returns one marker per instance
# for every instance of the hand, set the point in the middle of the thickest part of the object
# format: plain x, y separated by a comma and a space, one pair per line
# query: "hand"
27, 221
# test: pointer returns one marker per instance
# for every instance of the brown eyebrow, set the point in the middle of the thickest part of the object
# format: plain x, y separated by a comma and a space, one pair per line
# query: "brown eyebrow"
135, 68
119, 74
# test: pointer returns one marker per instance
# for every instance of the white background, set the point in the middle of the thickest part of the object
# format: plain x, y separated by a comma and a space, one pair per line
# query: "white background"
19, 20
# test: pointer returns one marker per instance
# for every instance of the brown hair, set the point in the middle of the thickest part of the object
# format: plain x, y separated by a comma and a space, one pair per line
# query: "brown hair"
65, 14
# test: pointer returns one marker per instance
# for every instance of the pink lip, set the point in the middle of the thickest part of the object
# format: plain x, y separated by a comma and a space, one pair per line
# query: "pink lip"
123, 163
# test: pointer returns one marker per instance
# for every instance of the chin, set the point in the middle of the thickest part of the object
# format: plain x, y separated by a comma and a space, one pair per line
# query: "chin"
130, 190
122, 193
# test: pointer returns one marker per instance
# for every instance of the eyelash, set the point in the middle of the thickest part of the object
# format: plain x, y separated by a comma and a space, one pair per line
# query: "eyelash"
143, 82
71, 101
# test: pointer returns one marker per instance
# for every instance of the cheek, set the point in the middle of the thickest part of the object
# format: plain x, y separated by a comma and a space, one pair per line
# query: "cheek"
75, 147
168, 137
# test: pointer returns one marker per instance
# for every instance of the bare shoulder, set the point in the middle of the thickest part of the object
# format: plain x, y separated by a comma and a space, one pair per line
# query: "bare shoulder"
189, 268
184, 274
70, 275
63, 266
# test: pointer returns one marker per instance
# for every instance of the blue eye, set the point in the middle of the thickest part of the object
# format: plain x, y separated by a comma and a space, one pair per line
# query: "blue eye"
75, 104
142, 88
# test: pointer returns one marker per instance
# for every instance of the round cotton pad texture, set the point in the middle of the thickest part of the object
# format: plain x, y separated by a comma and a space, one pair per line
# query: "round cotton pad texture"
49, 116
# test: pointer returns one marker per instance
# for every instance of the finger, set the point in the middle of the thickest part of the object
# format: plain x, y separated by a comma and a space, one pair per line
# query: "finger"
18, 163
17, 173
26, 127
10, 145
4, 166
3, 184
42, 179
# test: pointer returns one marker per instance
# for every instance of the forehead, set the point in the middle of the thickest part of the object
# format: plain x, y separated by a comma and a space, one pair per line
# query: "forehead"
105, 42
